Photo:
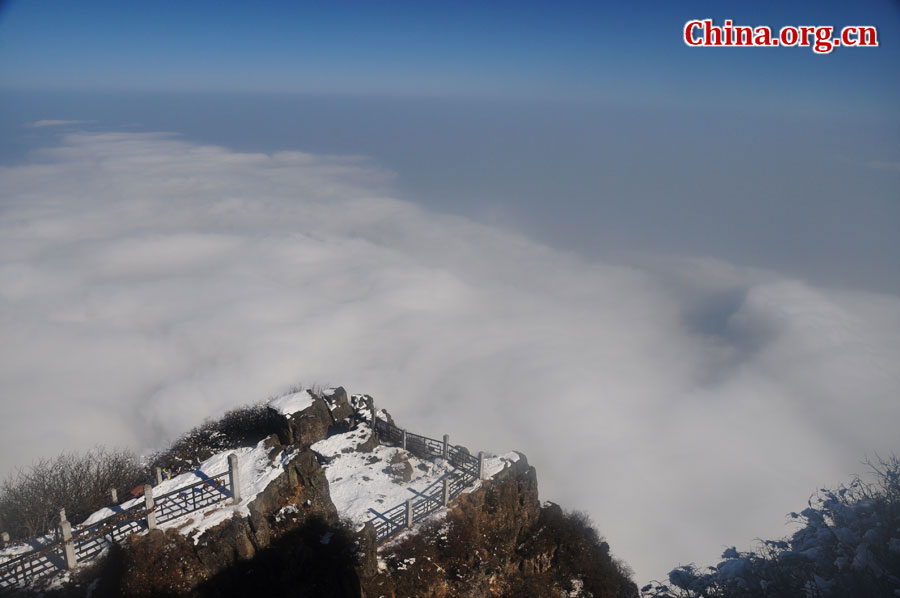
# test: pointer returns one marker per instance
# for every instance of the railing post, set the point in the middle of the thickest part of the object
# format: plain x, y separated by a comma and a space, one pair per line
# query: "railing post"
409, 513
62, 517
445, 497
114, 495
149, 505
158, 476
403, 439
480, 465
446, 451
234, 479
4, 539
65, 530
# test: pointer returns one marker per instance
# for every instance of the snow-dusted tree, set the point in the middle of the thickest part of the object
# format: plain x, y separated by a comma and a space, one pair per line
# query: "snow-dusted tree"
848, 544
30, 499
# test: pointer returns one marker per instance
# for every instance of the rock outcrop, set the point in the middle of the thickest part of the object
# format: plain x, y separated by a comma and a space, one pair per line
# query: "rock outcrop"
496, 540
311, 425
500, 541
168, 563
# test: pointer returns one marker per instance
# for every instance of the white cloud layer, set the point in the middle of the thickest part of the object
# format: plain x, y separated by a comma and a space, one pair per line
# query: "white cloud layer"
38, 124
147, 283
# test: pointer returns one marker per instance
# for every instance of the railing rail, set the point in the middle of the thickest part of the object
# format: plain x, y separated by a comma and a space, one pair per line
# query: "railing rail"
467, 466
192, 497
31, 565
93, 539
390, 522
90, 540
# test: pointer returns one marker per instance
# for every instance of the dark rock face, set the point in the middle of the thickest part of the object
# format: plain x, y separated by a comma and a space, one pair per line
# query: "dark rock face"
368, 552
468, 553
149, 569
339, 404
311, 425
302, 488
303, 483
299, 563
171, 564
307, 427
499, 541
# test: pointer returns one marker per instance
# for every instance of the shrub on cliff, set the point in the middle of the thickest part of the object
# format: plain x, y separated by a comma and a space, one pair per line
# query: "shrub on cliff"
848, 545
239, 427
579, 558
560, 555
30, 499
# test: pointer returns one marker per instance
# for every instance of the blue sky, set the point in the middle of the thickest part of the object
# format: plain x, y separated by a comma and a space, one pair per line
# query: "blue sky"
543, 117
570, 50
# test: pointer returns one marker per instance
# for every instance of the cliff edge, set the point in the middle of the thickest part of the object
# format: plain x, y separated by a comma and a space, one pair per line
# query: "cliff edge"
335, 500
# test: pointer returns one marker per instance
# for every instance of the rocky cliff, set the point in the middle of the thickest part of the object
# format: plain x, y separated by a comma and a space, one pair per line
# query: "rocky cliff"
500, 541
495, 540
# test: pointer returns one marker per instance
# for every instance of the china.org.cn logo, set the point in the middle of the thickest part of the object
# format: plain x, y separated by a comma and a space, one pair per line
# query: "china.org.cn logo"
703, 33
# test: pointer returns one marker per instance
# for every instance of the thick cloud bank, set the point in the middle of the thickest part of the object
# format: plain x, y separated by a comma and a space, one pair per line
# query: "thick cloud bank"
147, 282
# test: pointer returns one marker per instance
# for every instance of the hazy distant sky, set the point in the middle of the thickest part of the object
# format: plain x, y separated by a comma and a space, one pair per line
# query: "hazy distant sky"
591, 127
629, 51
668, 274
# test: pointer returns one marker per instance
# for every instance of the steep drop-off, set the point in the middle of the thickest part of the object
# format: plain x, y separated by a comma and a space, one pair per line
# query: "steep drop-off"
494, 540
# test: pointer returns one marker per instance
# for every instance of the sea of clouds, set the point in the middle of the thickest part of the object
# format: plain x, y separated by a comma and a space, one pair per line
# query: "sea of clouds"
687, 404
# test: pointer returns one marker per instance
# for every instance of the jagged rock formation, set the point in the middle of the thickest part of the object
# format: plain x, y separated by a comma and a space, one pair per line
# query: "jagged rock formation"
494, 541
500, 541
312, 424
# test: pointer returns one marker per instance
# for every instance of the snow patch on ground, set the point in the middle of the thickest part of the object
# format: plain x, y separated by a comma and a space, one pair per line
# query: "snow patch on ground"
357, 481
360, 481
255, 472
13, 550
